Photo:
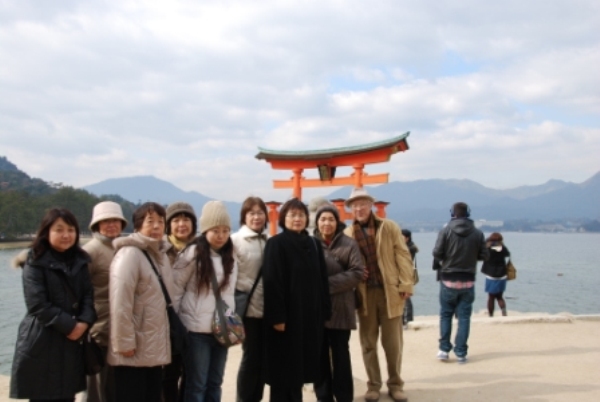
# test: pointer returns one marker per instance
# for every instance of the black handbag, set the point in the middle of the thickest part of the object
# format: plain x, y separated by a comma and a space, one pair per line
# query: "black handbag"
93, 355
178, 331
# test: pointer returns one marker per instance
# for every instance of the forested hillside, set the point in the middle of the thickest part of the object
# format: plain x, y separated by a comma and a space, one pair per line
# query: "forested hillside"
24, 200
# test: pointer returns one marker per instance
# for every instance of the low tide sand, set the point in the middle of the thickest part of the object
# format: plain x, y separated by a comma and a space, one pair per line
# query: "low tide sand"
523, 357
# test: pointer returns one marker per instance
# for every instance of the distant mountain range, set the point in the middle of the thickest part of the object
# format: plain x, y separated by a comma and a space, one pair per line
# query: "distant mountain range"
430, 200
139, 189
412, 201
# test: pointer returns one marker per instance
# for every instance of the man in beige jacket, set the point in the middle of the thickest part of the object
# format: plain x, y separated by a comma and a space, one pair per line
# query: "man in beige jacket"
387, 284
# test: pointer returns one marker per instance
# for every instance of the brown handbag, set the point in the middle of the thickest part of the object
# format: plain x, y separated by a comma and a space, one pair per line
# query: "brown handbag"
511, 271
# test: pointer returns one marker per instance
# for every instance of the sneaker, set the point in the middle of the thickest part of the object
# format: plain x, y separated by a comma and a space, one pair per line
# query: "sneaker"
443, 356
372, 396
462, 359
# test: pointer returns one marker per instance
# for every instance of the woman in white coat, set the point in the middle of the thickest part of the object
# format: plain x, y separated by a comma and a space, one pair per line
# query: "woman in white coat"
249, 243
210, 254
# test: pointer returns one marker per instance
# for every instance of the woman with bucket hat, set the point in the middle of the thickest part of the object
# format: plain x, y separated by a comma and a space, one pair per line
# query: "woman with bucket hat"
180, 231
107, 224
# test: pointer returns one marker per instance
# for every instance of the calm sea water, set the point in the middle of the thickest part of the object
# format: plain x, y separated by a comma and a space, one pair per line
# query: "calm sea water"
555, 273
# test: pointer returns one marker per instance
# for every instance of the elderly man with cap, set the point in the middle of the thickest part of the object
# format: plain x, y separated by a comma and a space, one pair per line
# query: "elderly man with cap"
106, 225
387, 284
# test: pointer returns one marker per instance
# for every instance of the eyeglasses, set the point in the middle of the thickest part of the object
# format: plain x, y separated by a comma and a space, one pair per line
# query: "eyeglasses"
360, 205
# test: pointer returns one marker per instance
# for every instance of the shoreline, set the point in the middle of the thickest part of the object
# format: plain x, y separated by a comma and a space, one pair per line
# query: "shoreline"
16, 244
523, 356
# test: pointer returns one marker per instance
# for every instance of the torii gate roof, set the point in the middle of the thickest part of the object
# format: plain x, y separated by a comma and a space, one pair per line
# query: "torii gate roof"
373, 152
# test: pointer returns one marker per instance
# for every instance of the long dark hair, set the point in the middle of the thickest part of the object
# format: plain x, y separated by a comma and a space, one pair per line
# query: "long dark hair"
41, 244
204, 266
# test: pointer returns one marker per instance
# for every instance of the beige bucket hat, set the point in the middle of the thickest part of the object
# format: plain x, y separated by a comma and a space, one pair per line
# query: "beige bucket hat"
107, 210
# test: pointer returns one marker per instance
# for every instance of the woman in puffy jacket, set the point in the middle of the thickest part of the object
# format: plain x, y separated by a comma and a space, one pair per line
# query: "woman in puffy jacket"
210, 254
495, 272
48, 360
249, 243
107, 224
345, 269
139, 344
180, 231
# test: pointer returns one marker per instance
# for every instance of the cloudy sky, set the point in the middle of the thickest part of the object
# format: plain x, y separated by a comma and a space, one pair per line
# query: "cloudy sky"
503, 93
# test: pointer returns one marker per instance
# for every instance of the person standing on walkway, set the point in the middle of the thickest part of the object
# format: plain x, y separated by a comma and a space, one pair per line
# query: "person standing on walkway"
388, 283
458, 247
495, 272
180, 230
107, 224
249, 244
345, 269
210, 258
409, 315
297, 304
59, 300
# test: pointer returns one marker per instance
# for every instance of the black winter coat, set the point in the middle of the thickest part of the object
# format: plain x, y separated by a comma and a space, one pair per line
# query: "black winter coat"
495, 266
296, 293
459, 246
46, 364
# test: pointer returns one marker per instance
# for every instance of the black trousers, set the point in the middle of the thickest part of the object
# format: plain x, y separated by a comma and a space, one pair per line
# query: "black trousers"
250, 379
172, 390
336, 368
138, 384
285, 394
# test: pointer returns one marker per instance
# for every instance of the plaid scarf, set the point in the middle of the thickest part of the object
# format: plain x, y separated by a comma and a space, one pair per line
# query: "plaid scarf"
366, 243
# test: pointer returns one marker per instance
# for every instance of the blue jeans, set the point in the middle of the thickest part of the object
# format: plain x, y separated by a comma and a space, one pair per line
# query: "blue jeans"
459, 302
204, 363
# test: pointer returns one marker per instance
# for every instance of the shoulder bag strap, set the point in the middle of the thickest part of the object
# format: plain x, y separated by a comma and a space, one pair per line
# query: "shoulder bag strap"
162, 285
259, 273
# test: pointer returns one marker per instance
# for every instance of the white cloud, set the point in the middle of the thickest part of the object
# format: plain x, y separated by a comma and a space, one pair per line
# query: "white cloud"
187, 90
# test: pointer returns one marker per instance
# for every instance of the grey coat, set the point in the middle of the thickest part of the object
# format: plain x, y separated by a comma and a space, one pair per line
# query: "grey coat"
345, 268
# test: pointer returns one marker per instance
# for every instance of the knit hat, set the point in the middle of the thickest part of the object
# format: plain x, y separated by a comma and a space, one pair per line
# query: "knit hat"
356, 194
327, 208
107, 210
214, 214
178, 208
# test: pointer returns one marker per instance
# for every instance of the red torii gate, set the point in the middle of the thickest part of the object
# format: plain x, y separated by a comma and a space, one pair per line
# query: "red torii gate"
326, 162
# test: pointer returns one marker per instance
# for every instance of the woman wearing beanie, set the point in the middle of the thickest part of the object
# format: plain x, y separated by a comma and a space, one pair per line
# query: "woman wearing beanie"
107, 224
180, 231
139, 344
297, 305
249, 243
209, 254
345, 269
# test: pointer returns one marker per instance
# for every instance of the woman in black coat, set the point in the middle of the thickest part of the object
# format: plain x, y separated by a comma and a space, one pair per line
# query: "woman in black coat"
296, 306
48, 360
495, 272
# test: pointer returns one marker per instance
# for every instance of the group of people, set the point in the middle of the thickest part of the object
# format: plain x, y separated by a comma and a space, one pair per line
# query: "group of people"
305, 295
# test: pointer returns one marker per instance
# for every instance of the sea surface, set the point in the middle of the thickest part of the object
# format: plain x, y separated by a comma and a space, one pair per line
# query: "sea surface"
555, 273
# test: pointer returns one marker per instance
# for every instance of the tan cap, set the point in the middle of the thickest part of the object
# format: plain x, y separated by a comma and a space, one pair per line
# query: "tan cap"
356, 194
